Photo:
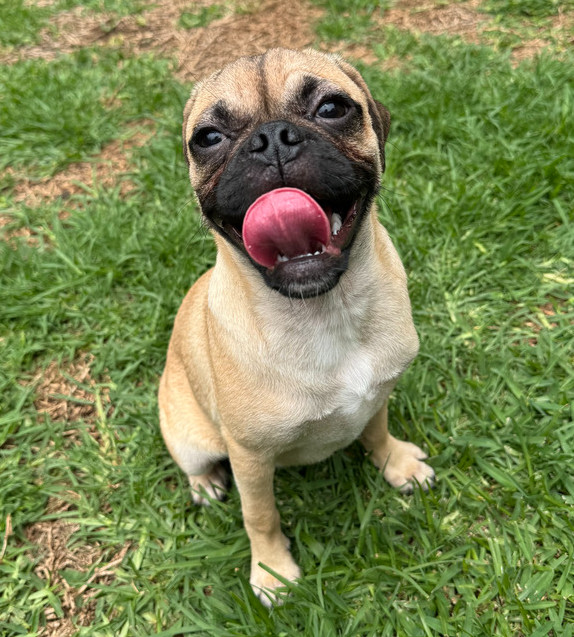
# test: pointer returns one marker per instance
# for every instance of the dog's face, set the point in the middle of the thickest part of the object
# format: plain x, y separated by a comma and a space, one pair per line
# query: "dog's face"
291, 119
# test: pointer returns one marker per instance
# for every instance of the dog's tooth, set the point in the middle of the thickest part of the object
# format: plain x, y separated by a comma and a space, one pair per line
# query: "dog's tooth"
282, 258
336, 223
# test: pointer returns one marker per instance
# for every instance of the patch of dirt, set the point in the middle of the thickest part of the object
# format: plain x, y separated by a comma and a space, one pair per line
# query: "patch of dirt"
106, 169
354, 52
68, 393
465, 19
429, 17
528, 50
55, 556
7, 233
263, 24
561, 32
40, 3
273, 24
75, 28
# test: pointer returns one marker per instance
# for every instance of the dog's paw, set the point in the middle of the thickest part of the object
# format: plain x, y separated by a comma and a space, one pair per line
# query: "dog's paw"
209, 486
265, 584
404, 467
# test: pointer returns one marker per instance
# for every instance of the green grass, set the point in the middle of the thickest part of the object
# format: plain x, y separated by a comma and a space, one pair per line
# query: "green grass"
347, 20
119, 7
517, 22
67, 112
21, 22
201, 17
528, 8
479, 200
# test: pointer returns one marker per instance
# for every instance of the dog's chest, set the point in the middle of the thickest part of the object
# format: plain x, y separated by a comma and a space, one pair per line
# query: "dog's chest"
333, 378
333, 415
358, 384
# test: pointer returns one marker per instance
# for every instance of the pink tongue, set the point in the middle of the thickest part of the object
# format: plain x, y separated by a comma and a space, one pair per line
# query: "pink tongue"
284, 222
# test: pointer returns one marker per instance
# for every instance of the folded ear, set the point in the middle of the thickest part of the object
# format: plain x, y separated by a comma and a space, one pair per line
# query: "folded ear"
381, 119
384, 121
380, 116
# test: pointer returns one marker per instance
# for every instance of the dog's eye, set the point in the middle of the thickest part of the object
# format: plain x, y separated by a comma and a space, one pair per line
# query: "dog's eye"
207, 137
332, 109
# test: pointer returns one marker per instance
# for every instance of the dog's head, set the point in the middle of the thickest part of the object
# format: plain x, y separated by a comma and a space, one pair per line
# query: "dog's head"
293, 122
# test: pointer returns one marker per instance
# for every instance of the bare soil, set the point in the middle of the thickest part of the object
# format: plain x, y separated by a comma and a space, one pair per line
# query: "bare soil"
274, 24
107, 169
465, 20
429, 17
68, 393
265, 24
56, 551
9, 233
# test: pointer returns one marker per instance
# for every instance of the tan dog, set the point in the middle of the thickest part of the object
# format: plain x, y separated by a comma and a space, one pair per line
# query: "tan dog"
288, 349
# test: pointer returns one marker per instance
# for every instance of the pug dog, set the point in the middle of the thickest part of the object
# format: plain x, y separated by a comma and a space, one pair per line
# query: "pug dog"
288, 348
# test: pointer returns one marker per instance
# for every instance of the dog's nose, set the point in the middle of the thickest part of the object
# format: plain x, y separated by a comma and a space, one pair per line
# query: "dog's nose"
276, 142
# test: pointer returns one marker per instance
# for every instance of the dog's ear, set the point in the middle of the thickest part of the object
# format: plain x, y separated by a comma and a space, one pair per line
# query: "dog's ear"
381, 119
380, 116
383, 122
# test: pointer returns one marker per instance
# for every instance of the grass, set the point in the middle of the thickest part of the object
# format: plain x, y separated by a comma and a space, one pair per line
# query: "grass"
478, 198
67, 113
21, 22
201, 17
346, 20
528, 8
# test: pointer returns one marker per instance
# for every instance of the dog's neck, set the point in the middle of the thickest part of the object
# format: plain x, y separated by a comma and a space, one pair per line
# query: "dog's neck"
332, 323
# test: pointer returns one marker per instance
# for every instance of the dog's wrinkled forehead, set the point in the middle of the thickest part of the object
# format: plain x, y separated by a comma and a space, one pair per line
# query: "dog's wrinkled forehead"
266, 86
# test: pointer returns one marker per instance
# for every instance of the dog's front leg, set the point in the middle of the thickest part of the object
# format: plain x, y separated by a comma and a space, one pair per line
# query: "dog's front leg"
254, 478
401, 462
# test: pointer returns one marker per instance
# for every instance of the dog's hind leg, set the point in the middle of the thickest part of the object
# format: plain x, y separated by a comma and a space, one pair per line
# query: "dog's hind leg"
192, 439
401, 462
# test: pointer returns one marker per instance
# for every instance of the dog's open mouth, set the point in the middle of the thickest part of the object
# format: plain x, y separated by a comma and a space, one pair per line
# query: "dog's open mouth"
301, 245
286, 225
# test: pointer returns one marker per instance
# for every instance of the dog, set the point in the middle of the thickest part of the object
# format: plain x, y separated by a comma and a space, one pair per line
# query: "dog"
288, 348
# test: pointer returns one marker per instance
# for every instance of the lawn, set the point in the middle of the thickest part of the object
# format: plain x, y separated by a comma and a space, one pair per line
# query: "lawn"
100, 238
